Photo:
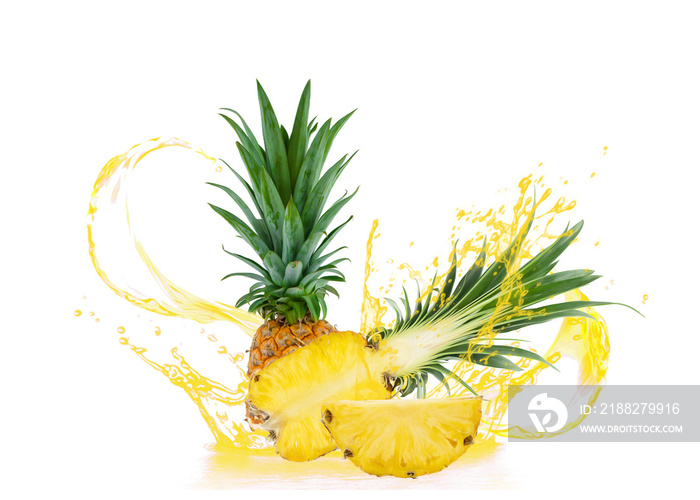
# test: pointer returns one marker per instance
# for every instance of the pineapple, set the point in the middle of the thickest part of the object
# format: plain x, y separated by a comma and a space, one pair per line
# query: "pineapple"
404, 438
298, 362
289, 229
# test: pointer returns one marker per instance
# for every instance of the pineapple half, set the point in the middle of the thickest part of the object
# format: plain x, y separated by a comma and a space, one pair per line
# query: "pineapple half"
287, 225
405, 438
298, 362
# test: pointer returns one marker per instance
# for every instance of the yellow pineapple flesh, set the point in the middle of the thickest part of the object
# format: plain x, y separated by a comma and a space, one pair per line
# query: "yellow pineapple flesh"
287, 396
403, 438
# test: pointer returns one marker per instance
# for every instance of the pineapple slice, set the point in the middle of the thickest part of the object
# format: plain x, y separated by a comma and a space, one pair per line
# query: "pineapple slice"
287, 395
403, 438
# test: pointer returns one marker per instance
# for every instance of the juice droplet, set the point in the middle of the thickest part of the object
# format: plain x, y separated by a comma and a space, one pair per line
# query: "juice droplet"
157, 330
121, 329
596, 243
645, 298
97, 320
92, 313
578, 337
566, 182
612, 282
412, 243
540, 164
201, 331
212, 338
592, 175
605, 150
218, 169
78, 312
222, 350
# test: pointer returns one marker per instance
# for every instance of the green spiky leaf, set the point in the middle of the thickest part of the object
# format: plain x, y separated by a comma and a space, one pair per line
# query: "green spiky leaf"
299, 139
243, 230
293, 232
275, 150
293, 273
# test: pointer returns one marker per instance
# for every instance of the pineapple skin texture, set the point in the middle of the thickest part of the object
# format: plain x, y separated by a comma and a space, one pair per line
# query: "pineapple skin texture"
275, 339
403, 438
288, 395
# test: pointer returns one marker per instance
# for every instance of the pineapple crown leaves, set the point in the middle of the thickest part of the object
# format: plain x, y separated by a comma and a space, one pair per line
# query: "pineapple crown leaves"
483, 304
287, 226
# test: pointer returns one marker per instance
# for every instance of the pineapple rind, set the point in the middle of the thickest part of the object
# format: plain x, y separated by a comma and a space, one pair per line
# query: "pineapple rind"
292, 390
403, 438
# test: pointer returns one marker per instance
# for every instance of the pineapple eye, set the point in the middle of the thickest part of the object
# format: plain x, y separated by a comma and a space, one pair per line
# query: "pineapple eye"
411, 474
348, 454
468, 440
328, 416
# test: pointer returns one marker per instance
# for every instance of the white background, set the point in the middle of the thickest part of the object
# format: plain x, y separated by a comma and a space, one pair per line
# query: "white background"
458, 99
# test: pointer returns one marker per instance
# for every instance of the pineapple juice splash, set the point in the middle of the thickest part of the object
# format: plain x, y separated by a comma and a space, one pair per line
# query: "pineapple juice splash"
133, 276
110, 226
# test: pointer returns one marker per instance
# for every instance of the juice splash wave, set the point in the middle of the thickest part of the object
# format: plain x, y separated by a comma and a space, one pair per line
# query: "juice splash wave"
111, 232
583, 340
110, 223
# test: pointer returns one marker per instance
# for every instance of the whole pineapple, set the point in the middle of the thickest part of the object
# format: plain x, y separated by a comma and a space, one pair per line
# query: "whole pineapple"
288, 230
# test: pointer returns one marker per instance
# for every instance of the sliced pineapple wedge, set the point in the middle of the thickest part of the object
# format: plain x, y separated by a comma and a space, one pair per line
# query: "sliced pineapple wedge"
287, 396
403, 438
